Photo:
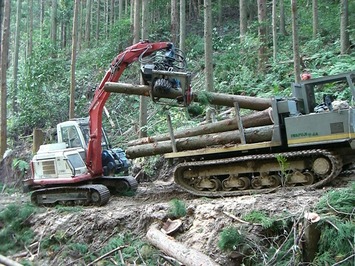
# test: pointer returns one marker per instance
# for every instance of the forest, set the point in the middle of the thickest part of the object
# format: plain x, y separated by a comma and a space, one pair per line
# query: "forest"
250, 53
55, 53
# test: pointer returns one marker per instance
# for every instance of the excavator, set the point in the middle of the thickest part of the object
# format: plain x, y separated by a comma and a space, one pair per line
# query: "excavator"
83, 168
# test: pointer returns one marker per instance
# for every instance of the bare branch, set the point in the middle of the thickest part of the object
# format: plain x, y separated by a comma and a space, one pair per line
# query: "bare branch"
106, 254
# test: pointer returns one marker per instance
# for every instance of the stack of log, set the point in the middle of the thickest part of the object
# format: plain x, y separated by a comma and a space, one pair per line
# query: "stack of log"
253, 128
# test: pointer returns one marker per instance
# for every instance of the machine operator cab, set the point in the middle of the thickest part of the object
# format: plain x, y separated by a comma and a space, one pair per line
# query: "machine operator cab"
75, 134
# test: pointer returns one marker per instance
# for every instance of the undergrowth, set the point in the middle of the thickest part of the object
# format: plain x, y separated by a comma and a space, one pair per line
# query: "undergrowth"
336, 243
177, 208
279, 238
15, 229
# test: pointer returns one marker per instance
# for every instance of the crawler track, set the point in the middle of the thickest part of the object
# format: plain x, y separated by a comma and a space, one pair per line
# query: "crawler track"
96, 194
93, 194
119, 184
261, 173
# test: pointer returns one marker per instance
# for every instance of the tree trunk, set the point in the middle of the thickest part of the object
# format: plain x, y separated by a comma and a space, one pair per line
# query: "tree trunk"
262, 35
246, 102
87, 23
252, 135
182, 24
41, 18
253, 120
112, 13
274, 29
315, 18
344, 33
136, 23
29, 28
80, 25
296, 53
208, 50
143, 104
242, 19
1, 16
54, 23
120, 9
106, 19
97, 22
186, 255
73, 60
3, 68
282, 18
174, 22
15, 59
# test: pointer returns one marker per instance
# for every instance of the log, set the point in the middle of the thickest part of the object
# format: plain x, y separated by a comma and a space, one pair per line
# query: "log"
8, 262
252, 135
261, 118
188, 256
246, 102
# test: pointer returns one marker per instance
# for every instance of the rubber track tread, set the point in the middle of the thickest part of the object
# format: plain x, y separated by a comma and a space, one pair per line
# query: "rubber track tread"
103, 191
132, 182
334, 159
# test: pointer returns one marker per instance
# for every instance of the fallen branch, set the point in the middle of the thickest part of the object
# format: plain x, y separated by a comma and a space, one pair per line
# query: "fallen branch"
240, 220
8, 262
340, 262
339, 212
171, 260
106, 254
186, 255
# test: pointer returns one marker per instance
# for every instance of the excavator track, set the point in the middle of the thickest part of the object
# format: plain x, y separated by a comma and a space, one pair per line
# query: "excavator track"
119, 184
91, 194
259, 173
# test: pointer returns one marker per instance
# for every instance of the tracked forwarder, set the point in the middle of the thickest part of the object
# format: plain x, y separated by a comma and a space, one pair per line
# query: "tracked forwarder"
307, 143
310, 145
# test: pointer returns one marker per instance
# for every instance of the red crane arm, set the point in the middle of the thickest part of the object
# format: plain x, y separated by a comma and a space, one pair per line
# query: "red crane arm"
118, 65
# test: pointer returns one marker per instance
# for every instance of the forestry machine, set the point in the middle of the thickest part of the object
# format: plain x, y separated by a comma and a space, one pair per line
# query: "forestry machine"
80, 169
309, 144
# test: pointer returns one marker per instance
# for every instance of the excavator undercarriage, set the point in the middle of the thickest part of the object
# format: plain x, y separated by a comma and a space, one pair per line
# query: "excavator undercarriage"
96, 194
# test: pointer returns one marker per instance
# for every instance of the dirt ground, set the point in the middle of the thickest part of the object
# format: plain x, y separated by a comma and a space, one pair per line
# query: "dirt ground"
205, 219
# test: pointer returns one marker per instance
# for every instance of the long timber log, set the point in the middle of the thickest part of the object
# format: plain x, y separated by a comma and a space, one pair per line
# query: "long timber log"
246, 102
252, 135
184, 254
261, 118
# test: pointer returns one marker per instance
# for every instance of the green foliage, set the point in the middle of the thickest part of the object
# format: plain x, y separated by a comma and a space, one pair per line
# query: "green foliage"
177, 208
258, 217
338, 202
133, 250
20, 166
284, 165
16, 232
230, 239
54, 242
81, 248
41, 79
336, 241
337, 226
